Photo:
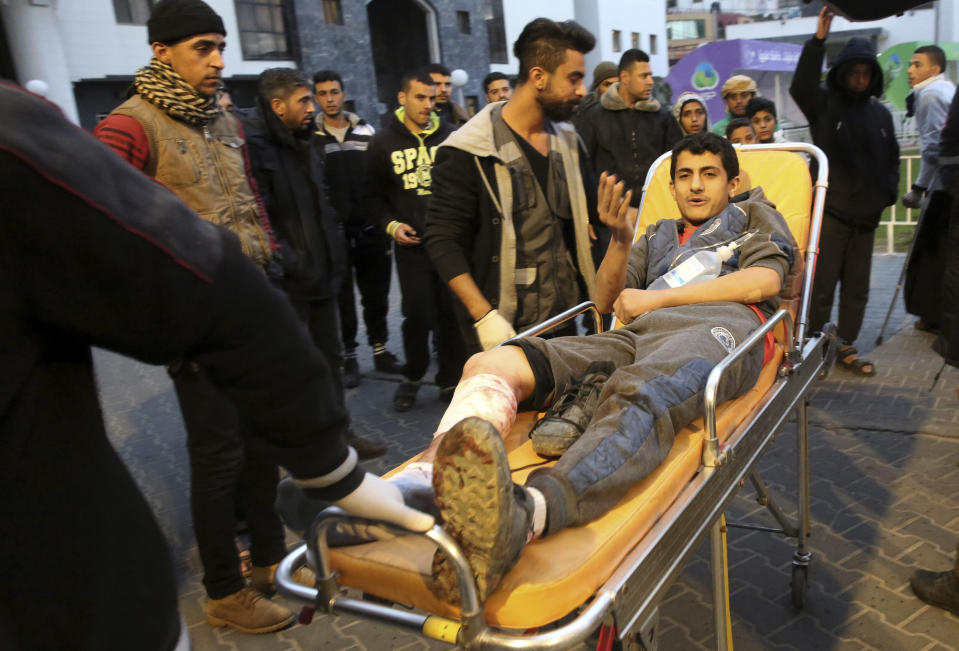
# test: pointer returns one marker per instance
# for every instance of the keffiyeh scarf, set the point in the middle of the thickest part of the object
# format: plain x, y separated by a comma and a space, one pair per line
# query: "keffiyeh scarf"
160, 85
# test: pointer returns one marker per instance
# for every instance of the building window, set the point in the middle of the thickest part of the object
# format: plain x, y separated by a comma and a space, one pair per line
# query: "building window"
332, 12
635, 41
496, 32
670, 4
653, 46
617, 45
263, 33
681, 29
463, 22
132, 12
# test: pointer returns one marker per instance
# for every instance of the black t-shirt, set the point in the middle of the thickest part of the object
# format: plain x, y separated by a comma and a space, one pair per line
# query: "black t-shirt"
537, 161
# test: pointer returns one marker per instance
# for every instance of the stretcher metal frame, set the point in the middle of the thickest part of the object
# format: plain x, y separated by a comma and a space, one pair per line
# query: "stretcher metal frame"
629, 598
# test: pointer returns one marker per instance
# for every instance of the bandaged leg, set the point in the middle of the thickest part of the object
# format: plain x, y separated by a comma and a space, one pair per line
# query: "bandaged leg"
485, 396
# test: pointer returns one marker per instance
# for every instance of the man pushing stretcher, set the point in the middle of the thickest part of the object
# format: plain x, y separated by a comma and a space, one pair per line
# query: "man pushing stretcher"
657, 366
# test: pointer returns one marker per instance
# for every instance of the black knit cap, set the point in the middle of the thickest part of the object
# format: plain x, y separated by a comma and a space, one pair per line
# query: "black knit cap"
172, 21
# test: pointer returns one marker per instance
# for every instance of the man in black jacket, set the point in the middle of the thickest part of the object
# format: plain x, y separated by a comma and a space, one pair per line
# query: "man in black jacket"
628, 128
941, 589
856, 132
344, 138
127, 266
400, 185
508, 223
288, 169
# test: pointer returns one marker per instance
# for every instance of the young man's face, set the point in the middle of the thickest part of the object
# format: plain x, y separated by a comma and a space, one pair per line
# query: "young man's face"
296, 112
604, 85
742, 136
498, 91
736, 102
329, 97
921, 68
225, 101
559, 92
765, 125
693, 117
197, 59
701, 188
858, 76
443, 86
418, 102
638, 80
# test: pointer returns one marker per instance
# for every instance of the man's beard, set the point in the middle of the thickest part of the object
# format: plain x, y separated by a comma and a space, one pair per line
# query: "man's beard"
556, 110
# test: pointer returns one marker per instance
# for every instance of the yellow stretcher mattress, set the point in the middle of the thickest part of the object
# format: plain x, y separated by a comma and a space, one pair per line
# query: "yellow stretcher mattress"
559, 573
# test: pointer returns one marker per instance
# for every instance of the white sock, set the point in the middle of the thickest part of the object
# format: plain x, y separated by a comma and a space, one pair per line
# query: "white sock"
539, 514
418, 472
486, 396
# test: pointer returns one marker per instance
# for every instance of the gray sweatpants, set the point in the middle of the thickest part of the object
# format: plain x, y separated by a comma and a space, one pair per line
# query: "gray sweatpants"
662, 362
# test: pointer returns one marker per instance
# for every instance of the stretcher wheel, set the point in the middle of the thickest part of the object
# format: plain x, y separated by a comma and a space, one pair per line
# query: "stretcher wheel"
799, 584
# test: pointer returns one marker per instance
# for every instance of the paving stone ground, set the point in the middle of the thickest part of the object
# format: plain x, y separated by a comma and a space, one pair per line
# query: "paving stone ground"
884, 455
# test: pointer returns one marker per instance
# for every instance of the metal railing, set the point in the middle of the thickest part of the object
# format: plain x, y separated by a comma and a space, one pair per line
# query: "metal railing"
911, 216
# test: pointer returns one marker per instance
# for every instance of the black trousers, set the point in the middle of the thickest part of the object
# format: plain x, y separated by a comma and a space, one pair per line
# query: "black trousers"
369, 260
845, 257
221, 476
322, 320
428, 307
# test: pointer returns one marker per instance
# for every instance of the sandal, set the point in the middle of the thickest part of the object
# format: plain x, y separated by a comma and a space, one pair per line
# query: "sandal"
849, 358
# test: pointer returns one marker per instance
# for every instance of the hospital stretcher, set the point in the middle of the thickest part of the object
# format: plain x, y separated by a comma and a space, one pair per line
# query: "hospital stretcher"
612, 573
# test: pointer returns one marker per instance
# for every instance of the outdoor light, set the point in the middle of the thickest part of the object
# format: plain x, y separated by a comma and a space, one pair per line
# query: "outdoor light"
458, 78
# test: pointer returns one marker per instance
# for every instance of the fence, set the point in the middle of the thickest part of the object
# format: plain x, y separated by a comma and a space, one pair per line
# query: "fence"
890, 217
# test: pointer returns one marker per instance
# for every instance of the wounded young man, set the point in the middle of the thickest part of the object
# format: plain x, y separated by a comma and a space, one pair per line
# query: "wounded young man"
657, 366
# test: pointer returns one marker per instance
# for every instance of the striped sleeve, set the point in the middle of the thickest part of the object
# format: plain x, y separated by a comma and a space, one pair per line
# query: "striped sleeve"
126, 137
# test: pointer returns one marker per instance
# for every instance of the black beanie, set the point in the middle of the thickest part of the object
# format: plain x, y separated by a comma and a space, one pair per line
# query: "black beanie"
172, 21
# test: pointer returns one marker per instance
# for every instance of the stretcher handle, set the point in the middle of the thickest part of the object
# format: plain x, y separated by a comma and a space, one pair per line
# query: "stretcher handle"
712, 455
319, 554
561, 318
472, 632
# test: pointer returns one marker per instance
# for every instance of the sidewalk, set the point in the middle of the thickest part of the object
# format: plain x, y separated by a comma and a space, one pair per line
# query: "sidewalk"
885, 501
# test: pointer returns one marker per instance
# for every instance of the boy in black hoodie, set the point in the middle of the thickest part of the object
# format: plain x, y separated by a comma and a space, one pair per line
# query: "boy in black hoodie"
400, 177
856, 132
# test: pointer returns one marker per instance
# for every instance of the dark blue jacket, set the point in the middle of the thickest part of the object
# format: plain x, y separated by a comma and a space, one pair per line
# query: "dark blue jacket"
289, 173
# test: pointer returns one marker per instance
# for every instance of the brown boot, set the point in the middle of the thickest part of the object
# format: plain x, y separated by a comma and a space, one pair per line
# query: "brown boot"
939, 589
248, 611
262, 578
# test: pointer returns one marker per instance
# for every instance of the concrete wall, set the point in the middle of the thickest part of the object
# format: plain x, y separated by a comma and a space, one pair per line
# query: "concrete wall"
67, 41
600, 17
516, 15
918, 25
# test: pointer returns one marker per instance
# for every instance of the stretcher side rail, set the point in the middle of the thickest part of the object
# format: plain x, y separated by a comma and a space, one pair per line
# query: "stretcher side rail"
649, 570
713, 455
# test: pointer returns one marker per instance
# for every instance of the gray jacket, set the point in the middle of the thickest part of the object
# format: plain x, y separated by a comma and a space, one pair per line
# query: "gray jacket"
932, 108
659, 250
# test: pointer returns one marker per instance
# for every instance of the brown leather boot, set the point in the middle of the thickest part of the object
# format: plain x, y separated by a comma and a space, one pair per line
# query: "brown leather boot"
248, 611
262, 578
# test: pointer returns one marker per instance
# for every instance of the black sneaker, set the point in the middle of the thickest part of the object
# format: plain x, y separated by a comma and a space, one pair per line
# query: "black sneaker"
386, 362
488, 515
405, 396
567, 418
365, 448
939, 589
351, 373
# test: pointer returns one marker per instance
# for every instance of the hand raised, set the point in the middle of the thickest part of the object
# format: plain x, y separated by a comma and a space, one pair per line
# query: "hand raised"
825, 21
613, 207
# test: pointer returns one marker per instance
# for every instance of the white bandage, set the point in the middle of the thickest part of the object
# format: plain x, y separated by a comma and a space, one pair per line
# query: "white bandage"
485, 396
